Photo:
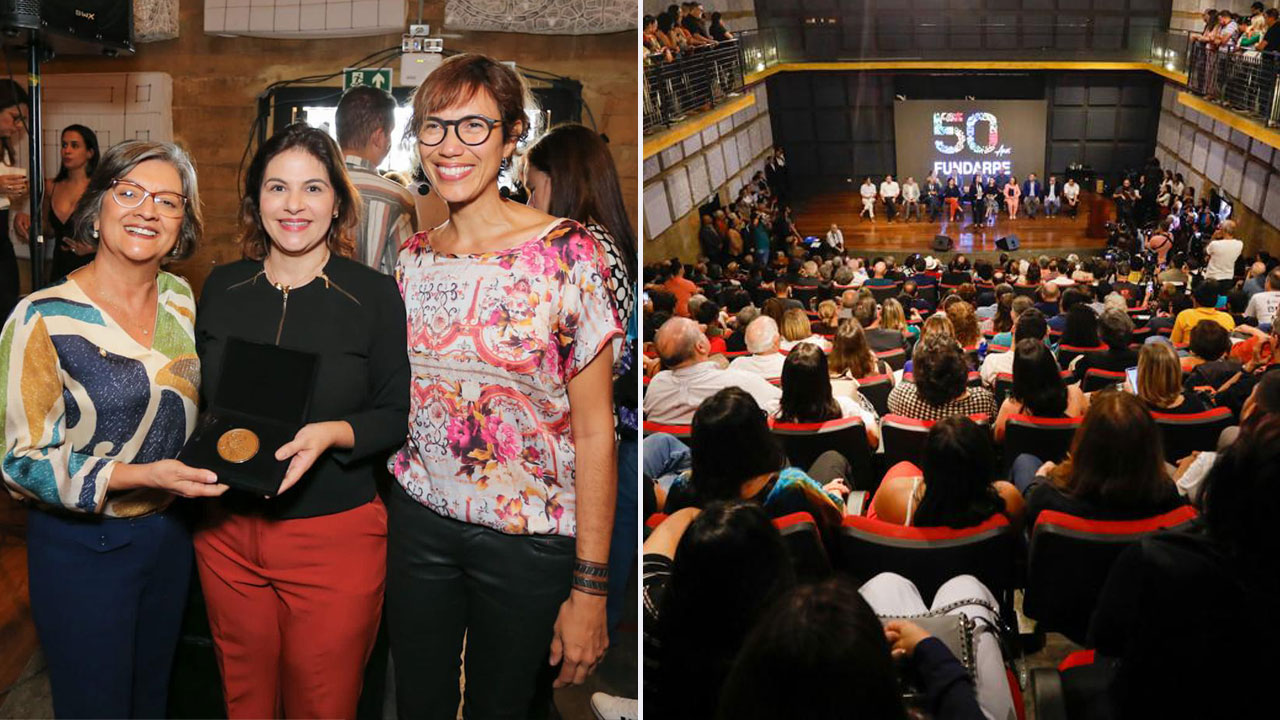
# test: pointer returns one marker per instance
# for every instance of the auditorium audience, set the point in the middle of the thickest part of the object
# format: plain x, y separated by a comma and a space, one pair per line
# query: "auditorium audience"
797, 329
1115, 330
690, 376
939, 387
1038, 388
807, 394
851, 359
1160, 381
1030, 326
1206, 301
764, 343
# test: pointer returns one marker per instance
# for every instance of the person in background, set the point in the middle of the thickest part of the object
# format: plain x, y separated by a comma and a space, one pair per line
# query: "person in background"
868, 193
835, 238
106, 383
1038, 388
1032, 191
1012, 193
570, 173
13, 186
1052, 197
79, 158
1071, 197
910, 200
1160, 381
1206, 308
365, 119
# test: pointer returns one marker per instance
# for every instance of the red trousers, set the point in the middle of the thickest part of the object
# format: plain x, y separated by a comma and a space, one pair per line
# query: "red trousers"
294, 606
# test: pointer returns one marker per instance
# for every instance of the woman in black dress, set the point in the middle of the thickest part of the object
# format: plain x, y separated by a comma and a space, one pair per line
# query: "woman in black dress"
79, 160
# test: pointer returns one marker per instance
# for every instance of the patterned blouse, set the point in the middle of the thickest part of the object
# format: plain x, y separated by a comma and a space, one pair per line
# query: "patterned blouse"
80, 395
494, 340
905, 400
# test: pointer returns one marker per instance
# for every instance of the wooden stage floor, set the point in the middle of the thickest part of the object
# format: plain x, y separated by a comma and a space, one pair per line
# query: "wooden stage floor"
815, 214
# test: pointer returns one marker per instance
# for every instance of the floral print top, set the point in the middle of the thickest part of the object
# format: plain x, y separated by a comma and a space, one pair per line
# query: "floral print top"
494, 340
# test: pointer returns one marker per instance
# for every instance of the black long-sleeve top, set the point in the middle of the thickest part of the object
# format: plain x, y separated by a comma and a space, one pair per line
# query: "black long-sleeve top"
354, 319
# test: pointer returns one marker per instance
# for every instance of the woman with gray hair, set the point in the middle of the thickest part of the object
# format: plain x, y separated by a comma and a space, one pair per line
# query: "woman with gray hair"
102, 386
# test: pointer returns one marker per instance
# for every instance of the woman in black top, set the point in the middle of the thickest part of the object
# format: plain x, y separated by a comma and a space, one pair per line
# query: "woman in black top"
294, 584
1115, 330
79, 160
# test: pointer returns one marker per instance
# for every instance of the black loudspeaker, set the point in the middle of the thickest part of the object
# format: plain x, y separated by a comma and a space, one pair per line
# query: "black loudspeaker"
1008, 243
942, 243
74, 27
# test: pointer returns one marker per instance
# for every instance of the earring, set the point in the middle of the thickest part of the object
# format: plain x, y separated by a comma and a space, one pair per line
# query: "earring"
95, 233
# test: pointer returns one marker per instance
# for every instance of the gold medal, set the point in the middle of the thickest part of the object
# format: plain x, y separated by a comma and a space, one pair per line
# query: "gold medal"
238, 445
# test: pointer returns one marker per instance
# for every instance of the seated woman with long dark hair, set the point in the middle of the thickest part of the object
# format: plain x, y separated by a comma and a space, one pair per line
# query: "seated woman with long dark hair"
734, 456
1160, 382
807, 398
1038, 388
954, 485
708, 575
1115, 471
851, 359
1081, 328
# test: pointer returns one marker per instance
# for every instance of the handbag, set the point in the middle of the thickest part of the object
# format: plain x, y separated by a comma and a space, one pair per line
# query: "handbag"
956, 631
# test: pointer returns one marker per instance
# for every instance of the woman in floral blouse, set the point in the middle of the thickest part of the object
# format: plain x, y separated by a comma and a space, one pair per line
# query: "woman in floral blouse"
499, 525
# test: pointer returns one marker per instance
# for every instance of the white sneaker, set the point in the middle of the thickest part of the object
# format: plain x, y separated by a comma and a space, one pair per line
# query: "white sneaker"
612, 707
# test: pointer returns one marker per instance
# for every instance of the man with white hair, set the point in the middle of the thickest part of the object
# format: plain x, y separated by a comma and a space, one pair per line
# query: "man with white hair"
691, 376
764, 343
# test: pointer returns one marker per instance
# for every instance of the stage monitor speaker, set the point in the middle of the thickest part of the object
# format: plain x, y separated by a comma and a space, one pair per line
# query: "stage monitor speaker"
74, 27
1008, 243
942, 243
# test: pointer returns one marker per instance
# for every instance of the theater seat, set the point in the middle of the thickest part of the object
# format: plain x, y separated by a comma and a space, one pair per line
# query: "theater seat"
804, 442
684, 432
1097, 379
1197, 431
1067, 353
931, 556
896, 359
1069, 560
903, 437
876, 389
884, 292
1046, 438
804, 545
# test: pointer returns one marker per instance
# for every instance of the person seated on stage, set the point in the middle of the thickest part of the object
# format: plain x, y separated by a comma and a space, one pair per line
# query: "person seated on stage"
1030, 325
1160, 382
1032, 192
763, 342
868, 314
1071, 197
940, 384
807, 395
1012, 196
910, 200
1115, 330
852, 360
1115, 470
952, 197
992, 200
1038, 388
933, 196
1052, 196
868, 193
690, 376
953, 486
797, 329
889, 192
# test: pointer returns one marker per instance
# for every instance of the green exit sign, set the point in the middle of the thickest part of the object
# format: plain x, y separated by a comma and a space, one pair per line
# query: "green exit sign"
373, 77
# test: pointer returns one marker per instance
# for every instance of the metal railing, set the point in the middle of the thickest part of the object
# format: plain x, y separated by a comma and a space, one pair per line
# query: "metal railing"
1170, 49
1243, 80
692, 82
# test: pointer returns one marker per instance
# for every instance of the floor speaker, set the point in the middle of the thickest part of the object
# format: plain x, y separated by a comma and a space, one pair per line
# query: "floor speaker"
942, 243
1007, 243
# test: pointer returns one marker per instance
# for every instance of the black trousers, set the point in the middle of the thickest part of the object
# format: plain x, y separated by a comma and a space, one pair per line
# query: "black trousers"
447, 579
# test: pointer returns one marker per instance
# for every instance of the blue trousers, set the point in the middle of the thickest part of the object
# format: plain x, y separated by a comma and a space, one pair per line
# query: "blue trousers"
1023, 471
107, 596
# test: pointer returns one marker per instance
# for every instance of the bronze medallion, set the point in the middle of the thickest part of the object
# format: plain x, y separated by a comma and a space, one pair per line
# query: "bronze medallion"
238, 445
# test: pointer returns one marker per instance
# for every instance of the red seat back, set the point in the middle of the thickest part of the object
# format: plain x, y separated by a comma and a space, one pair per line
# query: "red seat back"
896, 359
804, 442
804, 545
1070, 558
684, 432
1097, 379
931, 556
1046, 438
876, 389
1196, 431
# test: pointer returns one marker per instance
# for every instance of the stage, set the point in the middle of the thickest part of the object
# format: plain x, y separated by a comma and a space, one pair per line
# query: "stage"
1057, 235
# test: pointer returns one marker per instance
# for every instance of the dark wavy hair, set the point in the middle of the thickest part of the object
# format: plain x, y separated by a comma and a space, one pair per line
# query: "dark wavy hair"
584, 183
730, 565
730, 444
254, 241
939, 369
1037, 382
90, 144
806, 387
828, 635
959, 464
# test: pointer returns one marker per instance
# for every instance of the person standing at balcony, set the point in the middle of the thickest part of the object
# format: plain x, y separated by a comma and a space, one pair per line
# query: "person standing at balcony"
889, 192
1269, 46
719, 32
868, 193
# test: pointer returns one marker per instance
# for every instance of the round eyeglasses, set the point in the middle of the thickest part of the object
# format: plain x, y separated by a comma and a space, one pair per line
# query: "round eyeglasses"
471, 130
131, 195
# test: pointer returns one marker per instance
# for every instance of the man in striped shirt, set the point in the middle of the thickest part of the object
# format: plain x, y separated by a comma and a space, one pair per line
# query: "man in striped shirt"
365, 119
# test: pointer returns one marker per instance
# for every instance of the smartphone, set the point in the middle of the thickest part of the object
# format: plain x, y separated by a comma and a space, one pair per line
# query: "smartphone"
1132, 375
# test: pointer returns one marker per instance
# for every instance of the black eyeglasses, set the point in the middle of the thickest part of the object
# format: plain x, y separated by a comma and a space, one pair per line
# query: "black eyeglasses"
471, 130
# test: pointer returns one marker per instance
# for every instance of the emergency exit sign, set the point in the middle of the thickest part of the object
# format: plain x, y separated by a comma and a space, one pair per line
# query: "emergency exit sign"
373, 77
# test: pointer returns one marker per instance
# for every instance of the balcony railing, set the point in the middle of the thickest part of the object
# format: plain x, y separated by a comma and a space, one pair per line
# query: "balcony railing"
1244, 81
692, 82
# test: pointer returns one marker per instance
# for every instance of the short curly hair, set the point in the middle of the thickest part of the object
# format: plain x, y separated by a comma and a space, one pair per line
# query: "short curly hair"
940, 370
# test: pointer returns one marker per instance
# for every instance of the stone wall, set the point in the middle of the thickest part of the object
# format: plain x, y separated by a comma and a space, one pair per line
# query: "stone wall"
216, 81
